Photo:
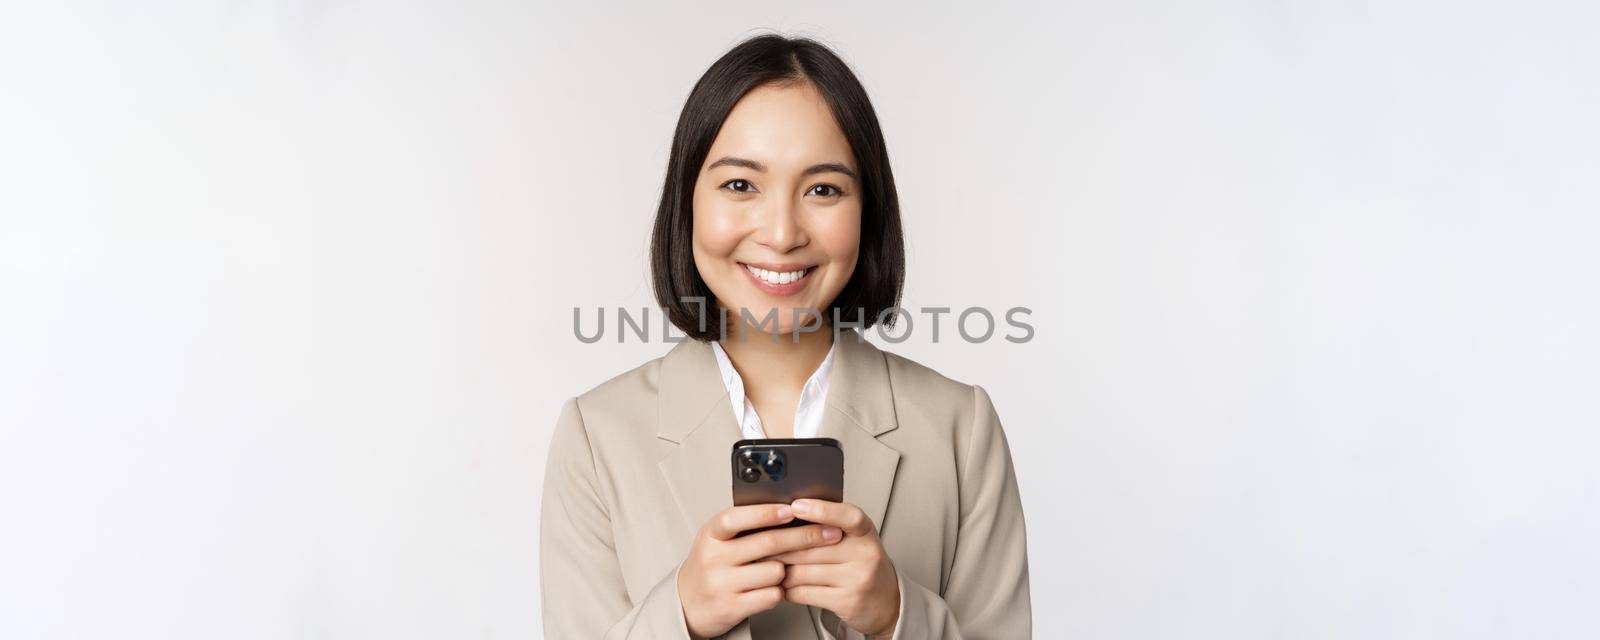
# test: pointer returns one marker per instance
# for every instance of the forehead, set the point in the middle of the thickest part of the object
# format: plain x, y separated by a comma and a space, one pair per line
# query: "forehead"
785, 126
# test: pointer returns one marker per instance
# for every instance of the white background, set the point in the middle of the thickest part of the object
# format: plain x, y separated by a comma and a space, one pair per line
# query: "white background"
286, 296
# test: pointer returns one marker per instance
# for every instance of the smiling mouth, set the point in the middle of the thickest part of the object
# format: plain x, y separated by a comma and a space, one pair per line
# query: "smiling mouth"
778, 278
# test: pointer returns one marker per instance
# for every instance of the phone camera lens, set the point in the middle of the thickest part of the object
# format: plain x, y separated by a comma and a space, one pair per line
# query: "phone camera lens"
774, 465
750, 474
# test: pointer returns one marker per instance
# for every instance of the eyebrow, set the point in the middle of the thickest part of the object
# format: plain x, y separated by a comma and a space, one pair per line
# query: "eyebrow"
826, 167
829, 167
730, 161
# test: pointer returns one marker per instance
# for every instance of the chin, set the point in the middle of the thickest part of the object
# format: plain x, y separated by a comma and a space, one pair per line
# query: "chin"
786, 320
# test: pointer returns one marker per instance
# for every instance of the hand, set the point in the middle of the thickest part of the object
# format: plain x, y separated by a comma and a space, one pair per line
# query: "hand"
854, 579
726, 579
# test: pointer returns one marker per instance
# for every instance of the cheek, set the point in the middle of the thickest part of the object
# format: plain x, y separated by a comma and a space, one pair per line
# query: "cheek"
840, 238
716, 230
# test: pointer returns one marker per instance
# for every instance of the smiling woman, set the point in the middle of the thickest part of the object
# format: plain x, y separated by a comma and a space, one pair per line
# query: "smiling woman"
779, 183
777, 216
779, 203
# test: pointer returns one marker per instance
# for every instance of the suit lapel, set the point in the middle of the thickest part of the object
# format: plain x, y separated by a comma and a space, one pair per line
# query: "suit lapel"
861, 408
694, 413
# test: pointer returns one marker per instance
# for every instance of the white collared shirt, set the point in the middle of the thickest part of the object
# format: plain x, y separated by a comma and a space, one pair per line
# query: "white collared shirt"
807, 415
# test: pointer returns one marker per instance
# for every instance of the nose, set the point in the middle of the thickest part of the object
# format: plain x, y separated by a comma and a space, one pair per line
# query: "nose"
781, 229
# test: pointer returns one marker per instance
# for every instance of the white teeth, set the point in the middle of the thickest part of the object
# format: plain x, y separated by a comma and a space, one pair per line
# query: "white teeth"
774, 277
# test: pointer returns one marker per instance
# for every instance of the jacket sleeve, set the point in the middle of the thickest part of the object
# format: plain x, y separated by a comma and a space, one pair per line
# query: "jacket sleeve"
581, 588
986, 595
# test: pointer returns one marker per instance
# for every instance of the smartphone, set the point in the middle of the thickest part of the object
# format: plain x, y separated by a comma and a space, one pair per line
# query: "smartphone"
782, 470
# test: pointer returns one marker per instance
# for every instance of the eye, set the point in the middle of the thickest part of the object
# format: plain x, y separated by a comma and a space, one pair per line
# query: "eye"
825, 191
739, 186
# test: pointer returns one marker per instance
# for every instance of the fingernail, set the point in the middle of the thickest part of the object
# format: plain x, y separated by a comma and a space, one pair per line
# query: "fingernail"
831, 533
784, 512
801, 506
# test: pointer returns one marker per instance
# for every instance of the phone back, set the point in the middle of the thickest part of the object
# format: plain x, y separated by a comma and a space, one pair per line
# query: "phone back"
782, 470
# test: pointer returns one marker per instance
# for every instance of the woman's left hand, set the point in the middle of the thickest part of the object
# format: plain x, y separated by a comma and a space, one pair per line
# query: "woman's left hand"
852, 578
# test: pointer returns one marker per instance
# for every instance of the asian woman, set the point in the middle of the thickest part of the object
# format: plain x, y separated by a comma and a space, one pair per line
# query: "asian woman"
777, 241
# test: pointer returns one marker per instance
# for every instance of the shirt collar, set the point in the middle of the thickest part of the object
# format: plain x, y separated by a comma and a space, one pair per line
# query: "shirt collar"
730, 379
816, 386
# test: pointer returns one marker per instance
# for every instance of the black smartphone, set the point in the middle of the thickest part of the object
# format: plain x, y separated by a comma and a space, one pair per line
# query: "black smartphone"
782, 470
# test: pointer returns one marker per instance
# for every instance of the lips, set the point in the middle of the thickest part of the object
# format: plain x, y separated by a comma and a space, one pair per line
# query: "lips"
779, 279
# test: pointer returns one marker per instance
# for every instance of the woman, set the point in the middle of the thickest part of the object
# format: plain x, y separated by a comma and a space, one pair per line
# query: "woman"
777, 236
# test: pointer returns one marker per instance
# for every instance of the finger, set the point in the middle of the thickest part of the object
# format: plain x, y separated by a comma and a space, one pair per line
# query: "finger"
830, 554
770, 543
843, 515
755, 601
830, 598
735, 520
822, 575
754, 576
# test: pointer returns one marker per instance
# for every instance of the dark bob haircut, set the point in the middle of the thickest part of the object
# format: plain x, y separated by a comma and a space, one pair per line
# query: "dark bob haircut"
874, 287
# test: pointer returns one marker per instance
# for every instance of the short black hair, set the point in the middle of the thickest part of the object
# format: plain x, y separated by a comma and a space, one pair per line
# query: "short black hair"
875, 285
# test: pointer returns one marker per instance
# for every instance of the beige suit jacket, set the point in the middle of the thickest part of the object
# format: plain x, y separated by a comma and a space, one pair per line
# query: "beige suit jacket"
638, 464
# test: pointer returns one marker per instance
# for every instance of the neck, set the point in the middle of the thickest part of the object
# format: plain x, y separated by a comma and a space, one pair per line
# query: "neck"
770, 363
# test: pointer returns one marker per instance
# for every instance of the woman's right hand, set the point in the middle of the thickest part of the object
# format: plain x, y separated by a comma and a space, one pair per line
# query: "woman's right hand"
727, 579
